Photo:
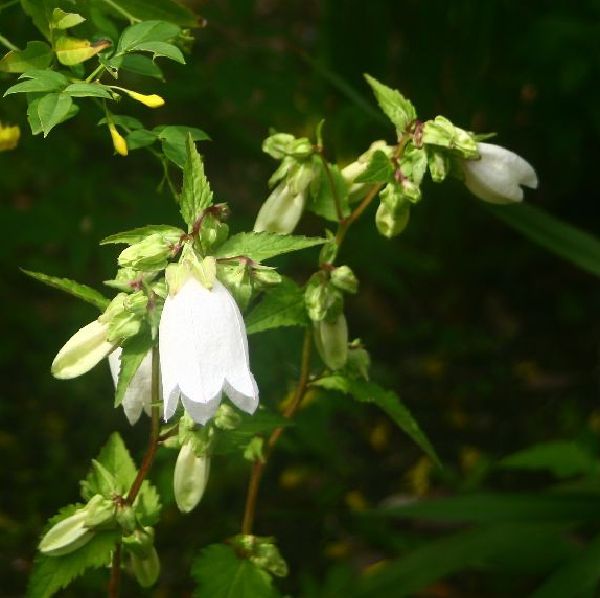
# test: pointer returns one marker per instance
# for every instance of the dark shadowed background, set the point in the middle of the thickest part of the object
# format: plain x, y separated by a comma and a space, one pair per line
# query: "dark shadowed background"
488, 338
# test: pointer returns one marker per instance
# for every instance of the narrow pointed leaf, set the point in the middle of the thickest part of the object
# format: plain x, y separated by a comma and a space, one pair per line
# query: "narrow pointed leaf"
397, 108
134, 351
76, 289
264, 245
196, 194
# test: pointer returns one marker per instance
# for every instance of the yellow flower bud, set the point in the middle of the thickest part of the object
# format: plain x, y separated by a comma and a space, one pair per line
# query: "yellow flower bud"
152, 100
118, 140
9, 137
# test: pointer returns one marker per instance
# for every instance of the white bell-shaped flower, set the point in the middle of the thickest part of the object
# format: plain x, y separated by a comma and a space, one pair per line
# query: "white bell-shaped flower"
498, 174
138, 395
204, 351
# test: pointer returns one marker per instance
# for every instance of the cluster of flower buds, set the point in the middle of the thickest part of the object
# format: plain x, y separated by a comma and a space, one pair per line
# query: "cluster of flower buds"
282, 210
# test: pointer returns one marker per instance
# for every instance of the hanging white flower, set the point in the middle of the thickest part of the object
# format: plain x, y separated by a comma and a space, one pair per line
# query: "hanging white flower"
138, 395
498, 174
203, 345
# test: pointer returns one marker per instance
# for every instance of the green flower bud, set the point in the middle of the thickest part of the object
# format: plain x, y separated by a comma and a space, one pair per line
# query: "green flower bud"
190, 479
280, 145
343, 278
438, 165
413, 164
226, 418
213, 232
355, 169
146, 569
265, 276
124, 325
67, 535
140, 542
254, 449
440, 131
393, 212
151, 253
267, 556
125, 516
329, 251
331, 339
322, 299
281, 212
100, 512
359, 360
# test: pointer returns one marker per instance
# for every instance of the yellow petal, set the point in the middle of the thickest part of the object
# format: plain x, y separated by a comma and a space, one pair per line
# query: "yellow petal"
152, 100
9, 137
118, 140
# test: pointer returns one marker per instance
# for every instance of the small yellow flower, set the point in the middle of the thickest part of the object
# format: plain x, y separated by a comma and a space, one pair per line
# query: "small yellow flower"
152, 100
118, 140
9, 137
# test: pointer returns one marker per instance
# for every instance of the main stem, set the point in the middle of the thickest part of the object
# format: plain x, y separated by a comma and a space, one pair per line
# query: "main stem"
115, 573
290, 411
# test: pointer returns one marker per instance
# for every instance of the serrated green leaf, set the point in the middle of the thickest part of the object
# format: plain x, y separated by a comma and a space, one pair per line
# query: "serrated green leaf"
146, 31
388, 401
52, 109
264, 245
321, 200
39, 81
397, 108
147, 504
219, 573
115, 457
138, 234
52, 573
283, 306
562, 458
174, 140
161, 49
36, 55
579, 247
379, 169
76, 289
134, 351
196, 194
164, 10
578, 576
83, 90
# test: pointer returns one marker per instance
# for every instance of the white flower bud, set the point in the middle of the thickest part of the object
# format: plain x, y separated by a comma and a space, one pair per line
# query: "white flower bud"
331, 339
190, 479
67, 535
498, 174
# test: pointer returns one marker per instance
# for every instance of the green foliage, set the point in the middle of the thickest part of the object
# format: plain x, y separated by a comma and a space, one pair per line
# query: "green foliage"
219, 572
369, 392
174, 141
76, 289
396, 107
262, 246
327, 188
196, 194
283, 306
52, 573
36, 55
580, 248
379, 170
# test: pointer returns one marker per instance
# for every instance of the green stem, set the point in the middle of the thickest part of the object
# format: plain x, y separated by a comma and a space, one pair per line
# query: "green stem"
94, 73
115, 573
122, 11
259, 466
8, 44
336, 197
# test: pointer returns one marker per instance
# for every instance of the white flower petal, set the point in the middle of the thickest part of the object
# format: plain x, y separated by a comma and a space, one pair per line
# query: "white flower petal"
138, 395
203, 351
498, 175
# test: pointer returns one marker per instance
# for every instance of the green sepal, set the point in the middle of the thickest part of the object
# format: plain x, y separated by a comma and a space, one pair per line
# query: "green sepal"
379, 169
263, 552
322, 197
280, 145
323, 300
196, 194
76, 289
264, 245
397, 108
443, 133
136, 235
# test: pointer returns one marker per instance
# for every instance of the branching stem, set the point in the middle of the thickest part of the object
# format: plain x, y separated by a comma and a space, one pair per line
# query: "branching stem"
290, 411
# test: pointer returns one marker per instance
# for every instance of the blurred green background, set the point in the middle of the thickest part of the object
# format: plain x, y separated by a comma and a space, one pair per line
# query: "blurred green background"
489, 339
